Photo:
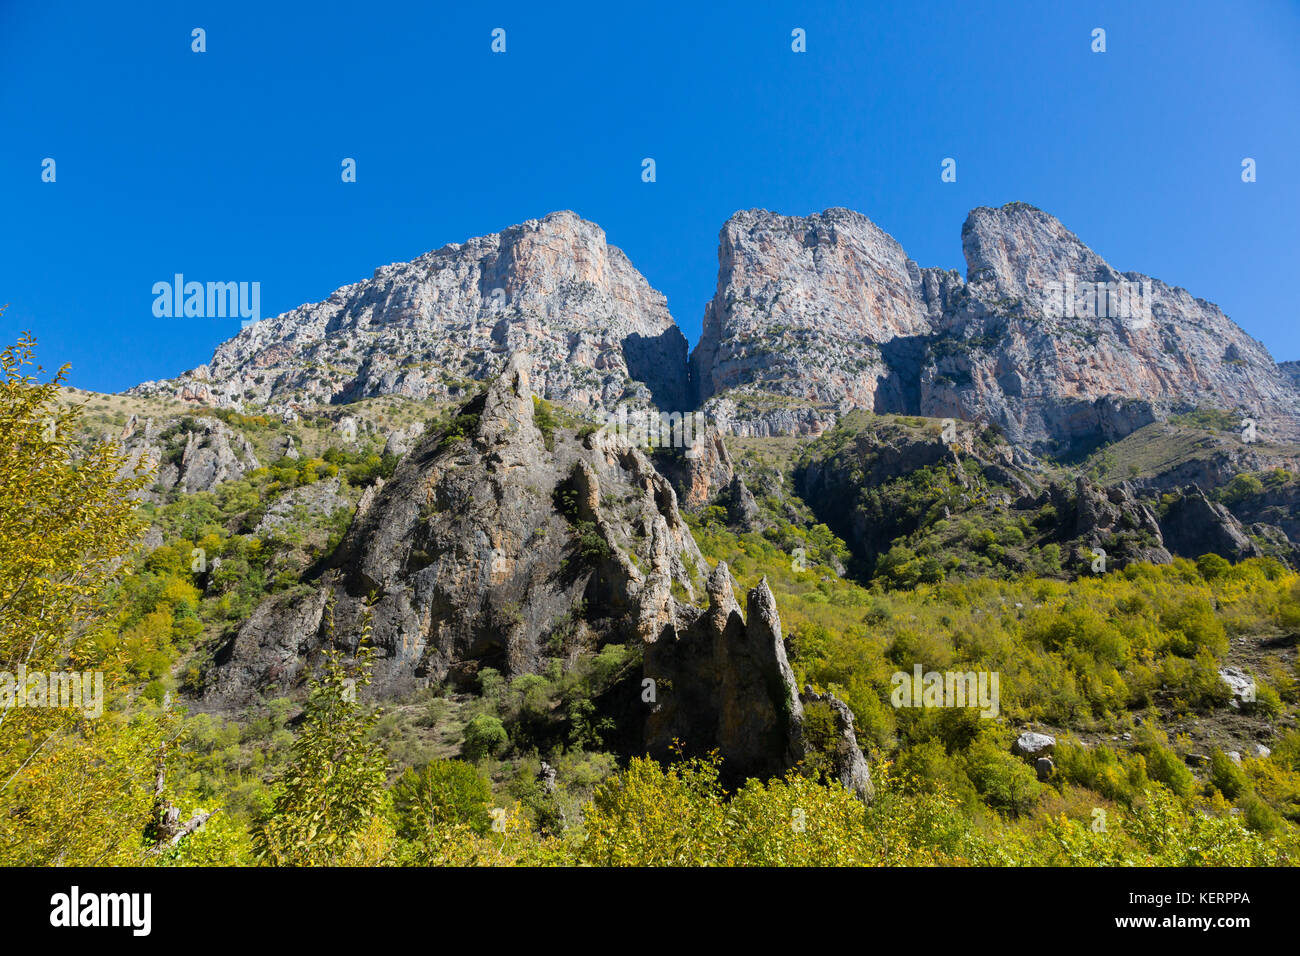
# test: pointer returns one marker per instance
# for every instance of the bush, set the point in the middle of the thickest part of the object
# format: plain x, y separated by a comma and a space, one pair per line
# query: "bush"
1004, 781
1227, 776
441, 793
545, 420
1165, 766
485, 736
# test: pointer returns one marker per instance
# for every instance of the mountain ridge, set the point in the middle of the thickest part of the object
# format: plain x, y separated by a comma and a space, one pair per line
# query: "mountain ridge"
812, 317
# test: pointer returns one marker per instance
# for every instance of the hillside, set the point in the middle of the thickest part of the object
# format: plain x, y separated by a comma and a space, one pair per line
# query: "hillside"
943, 572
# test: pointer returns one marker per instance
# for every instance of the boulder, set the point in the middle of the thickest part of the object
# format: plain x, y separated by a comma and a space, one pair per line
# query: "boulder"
1239, 682
1032, 744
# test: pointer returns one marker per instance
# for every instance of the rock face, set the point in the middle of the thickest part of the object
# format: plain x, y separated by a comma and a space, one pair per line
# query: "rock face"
803, 308
476, 548
190, 455
817, 315
812, 317
742, 507
705, 666
1089, 373
701, 476
598, 332
1194, 525
722, 681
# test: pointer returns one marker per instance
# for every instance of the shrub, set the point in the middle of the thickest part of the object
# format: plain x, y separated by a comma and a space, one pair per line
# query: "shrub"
545, 420
1004, 781
1165, 766
1229, 778
441, 793
485, 736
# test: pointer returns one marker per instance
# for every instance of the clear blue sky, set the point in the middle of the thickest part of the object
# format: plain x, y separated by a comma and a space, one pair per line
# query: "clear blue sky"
225, 165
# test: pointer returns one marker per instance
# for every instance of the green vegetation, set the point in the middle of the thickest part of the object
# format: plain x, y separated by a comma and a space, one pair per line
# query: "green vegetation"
1089, 656
1123, 668
330, 798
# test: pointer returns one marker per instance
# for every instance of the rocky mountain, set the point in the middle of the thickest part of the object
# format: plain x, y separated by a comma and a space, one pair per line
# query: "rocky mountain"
982, 482
818, 315
426, 328
813, 316
827, 310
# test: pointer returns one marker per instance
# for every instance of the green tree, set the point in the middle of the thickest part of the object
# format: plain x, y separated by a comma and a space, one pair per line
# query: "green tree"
331, 795
485, 735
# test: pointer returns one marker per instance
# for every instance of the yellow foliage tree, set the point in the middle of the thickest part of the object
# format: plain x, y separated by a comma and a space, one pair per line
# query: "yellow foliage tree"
75, 781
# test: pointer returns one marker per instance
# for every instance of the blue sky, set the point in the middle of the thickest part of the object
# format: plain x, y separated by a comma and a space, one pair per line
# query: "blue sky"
225, 165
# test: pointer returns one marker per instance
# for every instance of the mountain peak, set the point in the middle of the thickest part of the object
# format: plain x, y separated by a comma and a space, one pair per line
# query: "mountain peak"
599, 333
812, 316
1019, 247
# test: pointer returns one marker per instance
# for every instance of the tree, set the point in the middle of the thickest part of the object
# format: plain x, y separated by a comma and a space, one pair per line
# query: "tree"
66, 519
75, 782
484, 735
329, 808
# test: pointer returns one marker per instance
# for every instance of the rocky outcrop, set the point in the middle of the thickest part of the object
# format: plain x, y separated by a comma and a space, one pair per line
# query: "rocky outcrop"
699, 477
598, 332
455, 558
401, 440
476, 548
721, 681
882, 481
188, 455
1114, 521
752, 414
742, 508
847, 765
318, 499
855, 478
709, 476
1194, 525
1273, 509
